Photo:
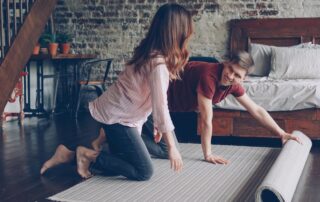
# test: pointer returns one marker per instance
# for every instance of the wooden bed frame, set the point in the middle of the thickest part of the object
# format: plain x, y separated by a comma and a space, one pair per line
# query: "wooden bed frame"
278, 32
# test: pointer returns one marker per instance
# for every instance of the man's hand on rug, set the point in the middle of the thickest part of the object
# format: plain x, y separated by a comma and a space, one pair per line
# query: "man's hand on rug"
216, 159
175, 159
287, 136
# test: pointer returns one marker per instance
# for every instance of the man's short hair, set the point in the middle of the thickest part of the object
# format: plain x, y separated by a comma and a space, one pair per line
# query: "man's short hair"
243, 59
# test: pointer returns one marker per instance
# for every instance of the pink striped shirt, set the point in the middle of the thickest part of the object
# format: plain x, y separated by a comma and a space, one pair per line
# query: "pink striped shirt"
131, 99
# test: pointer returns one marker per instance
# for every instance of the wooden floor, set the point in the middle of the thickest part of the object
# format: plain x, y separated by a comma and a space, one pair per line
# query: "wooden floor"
24, 149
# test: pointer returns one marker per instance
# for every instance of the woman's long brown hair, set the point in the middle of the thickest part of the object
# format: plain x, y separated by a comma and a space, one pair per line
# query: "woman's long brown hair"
168, 35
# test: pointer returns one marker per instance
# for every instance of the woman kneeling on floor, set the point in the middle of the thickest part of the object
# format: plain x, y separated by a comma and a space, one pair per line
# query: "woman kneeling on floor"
140, 89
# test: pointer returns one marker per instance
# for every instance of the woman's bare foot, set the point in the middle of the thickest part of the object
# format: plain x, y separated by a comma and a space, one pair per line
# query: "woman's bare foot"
61, 155
84, 157
97, 143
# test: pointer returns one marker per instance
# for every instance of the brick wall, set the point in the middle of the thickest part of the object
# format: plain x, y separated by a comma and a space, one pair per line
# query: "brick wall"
112, 28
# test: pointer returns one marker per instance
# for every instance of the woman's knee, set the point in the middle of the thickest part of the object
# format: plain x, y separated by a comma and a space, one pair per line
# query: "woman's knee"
145, 173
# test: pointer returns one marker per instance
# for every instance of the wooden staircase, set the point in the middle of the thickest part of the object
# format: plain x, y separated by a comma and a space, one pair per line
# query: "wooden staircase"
21, 23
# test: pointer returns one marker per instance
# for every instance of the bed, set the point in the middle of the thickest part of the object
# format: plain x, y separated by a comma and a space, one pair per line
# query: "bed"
300, 115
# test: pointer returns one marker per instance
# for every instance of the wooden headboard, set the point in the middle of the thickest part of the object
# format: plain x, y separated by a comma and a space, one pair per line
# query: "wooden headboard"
278, 32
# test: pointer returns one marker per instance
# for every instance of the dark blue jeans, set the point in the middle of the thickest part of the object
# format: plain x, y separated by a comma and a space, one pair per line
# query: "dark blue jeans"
128, 155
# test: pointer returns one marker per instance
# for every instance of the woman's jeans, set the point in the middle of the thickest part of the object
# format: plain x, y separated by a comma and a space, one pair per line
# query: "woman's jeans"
128, 154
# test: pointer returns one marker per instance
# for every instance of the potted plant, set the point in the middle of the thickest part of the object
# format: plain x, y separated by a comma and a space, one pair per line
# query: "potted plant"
64, 40
50, 41
36, 49
43, 41
53, 45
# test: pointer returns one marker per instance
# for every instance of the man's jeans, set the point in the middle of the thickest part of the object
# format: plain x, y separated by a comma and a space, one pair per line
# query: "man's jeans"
159, 150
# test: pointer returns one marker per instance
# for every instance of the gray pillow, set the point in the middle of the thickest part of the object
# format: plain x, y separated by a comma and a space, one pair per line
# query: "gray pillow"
261, 55
295, 63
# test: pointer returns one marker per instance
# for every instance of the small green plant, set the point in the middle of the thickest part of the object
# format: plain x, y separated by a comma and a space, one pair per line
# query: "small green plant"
47, 38
64, 38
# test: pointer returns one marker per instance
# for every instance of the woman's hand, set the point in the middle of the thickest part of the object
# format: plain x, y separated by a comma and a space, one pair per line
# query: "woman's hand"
175, 159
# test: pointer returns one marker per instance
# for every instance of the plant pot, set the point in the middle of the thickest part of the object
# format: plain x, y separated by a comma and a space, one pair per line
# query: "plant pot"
53, 48
44, 50
65, 48
36, 50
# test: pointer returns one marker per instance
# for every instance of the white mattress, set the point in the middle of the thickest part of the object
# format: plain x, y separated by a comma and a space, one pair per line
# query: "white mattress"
278, 95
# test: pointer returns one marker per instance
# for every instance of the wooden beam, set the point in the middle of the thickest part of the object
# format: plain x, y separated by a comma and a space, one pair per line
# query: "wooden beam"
21, 48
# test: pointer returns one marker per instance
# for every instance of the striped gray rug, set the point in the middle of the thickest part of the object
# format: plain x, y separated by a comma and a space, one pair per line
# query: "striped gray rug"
199, 181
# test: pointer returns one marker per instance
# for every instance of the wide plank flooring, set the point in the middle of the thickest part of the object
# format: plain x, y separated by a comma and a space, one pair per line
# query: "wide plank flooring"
24, 148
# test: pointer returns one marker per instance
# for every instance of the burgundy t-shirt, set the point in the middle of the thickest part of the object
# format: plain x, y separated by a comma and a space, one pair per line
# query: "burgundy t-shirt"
202, 77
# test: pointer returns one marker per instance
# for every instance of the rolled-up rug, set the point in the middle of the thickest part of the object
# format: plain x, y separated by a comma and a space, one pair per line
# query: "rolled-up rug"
283, 177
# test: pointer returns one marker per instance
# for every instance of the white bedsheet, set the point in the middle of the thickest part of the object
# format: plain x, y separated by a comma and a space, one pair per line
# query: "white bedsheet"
278, 95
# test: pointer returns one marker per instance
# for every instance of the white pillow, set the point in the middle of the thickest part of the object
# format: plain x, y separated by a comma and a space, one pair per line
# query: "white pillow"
261, 55
295, 63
